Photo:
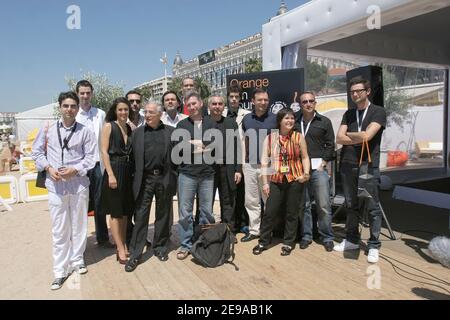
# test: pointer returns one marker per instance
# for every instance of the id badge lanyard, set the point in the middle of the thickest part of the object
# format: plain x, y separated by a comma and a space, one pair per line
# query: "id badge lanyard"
363, 117
305, 132
64, 143
284, 157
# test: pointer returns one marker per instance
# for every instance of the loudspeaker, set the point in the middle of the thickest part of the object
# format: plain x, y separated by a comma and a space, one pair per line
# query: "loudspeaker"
375, 75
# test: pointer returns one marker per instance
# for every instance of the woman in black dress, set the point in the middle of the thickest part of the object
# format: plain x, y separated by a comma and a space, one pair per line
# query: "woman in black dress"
117, 196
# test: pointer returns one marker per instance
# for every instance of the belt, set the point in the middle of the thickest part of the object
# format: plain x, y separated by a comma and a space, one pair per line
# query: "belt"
119, 158
155, 172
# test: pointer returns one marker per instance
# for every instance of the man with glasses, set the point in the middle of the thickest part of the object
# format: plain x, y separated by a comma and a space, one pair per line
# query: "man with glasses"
365, 123
135, 117
319, 135
66, 151
154, 177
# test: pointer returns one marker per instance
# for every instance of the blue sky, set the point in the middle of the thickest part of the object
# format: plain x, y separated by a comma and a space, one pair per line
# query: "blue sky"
122, 39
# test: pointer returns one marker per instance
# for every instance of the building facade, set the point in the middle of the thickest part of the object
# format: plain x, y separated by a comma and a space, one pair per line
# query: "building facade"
229, 59
156, 87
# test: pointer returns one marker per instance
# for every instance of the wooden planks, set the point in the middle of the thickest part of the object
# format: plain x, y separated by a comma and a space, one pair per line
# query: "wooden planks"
305, 274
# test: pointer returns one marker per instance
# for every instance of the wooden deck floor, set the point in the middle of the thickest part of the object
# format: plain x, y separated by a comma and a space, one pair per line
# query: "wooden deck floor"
306, 274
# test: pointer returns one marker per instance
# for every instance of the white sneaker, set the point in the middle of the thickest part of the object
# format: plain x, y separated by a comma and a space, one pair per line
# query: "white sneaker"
372, 257
81, 269
345, 245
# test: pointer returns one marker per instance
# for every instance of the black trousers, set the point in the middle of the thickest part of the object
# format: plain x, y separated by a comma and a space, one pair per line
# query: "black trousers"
290, 194
151, 186
226, 195
95, 189
240, 213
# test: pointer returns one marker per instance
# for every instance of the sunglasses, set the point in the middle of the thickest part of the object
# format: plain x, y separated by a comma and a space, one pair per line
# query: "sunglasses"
359, 91
306, 101
133, 101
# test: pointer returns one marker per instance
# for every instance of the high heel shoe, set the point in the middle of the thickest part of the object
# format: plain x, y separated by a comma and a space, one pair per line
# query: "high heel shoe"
120, 260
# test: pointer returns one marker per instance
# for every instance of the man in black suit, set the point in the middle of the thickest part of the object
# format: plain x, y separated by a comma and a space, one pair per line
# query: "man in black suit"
154, 176
228, 169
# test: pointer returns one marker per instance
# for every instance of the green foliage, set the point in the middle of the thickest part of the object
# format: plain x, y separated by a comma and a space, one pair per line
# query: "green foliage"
175, 85
396, 102
104, 91
145, 92
202, 87
253, 65
316, 77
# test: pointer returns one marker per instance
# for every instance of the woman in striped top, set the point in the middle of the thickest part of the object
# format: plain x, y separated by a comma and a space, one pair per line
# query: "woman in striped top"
285, 165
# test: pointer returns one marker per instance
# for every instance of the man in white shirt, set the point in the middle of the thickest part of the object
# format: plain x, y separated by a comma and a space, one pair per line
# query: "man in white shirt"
171, 103
93, 118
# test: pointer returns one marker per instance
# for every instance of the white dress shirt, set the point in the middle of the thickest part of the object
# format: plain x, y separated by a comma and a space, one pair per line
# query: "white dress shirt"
167, 120
93, 120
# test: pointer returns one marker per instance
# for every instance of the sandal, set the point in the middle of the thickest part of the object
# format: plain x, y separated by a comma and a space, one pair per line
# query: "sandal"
182, 254
285, 250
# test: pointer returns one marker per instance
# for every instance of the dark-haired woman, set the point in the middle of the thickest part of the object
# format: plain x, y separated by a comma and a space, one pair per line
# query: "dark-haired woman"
285, 166
117, 196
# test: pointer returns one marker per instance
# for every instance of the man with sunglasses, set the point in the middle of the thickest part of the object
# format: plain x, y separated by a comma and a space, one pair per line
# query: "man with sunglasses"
366, 122
135, 117
319, 135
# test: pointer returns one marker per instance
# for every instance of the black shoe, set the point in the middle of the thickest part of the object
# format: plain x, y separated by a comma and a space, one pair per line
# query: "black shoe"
286, 250
131, 265
249, 237
162, 256
58, 282
305, 244
259, 249
329, 245
148, 244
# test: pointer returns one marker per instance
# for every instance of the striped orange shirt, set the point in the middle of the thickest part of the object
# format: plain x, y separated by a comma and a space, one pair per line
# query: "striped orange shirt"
277, 145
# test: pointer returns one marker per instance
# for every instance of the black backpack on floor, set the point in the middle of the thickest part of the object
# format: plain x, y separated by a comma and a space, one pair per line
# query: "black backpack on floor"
215, 246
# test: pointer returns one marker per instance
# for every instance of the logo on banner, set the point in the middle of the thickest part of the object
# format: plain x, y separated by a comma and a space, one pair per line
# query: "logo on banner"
277, 106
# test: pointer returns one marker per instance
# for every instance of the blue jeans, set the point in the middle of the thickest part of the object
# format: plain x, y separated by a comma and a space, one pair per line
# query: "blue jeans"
355, 206
188, 186
318, 189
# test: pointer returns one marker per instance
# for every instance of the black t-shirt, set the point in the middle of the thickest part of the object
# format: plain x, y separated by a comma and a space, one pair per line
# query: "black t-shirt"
351, 153
197, 167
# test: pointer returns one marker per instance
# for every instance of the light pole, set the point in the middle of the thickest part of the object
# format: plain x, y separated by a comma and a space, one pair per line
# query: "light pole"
164, 62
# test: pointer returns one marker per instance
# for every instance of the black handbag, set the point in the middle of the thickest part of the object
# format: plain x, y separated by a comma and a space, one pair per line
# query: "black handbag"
42, 175
366, 178
40, 179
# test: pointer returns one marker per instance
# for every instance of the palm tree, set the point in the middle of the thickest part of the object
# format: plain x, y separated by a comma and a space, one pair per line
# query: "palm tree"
202, 86
175, 85
253, 65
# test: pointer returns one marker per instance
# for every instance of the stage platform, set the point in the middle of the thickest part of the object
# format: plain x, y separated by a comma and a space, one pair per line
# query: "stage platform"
405, 270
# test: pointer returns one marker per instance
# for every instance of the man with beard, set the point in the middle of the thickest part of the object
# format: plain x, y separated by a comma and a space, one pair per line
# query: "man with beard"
171, 103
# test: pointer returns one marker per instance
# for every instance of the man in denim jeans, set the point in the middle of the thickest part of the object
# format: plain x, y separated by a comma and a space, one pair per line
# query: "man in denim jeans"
319, 135
365, 123
196, 176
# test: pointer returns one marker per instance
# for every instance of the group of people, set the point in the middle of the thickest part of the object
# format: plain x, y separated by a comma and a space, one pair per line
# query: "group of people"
267, 168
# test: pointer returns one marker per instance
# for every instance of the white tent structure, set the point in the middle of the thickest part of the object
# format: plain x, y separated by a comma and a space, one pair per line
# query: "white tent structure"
35, 118
412, 33
407, 33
